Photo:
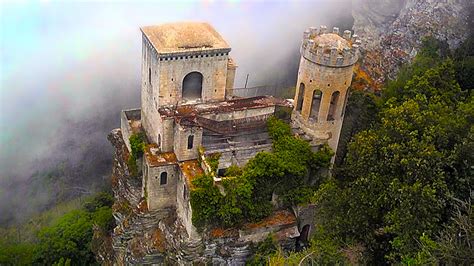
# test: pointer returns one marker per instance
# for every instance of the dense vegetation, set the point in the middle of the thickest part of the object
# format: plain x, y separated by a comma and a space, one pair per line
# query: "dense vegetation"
289, 171
64, 240
137, 146
402, 192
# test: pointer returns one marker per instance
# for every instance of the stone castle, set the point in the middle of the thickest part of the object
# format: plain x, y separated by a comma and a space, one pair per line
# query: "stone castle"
189, 110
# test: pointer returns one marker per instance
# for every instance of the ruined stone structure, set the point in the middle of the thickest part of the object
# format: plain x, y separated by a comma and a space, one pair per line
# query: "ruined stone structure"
188, 113
324, 76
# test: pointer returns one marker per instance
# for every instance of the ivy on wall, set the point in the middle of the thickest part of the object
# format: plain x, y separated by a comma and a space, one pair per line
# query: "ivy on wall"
291, 171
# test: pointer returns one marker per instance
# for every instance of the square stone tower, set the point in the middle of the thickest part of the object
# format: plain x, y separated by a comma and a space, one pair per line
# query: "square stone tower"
182, 63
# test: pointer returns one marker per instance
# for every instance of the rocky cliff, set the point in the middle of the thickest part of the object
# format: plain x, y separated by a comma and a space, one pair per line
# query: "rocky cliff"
392, 30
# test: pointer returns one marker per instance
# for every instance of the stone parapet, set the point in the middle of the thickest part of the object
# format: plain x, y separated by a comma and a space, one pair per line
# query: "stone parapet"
341, 52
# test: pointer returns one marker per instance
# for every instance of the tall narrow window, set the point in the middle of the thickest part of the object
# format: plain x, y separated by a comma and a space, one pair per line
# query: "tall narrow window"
333, 106
299, 103
190, 141
345, 103
315, 104
149, 76
184, 191
163, 178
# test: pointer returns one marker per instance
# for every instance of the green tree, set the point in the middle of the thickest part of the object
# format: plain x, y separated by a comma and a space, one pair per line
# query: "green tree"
246, 193
454, 244
69, 238
398, 178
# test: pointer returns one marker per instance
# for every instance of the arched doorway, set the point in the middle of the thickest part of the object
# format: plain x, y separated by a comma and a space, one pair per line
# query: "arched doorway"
299, 103
192, 86
303, 239
315, 104
333, 105
304, 235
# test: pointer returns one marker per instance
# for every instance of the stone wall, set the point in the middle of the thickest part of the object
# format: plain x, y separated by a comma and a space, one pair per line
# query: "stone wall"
160, 196
184, 210
181, 135
231, 68
163, 76
240, 114
328, 80
167, 135
150, 115
125, 117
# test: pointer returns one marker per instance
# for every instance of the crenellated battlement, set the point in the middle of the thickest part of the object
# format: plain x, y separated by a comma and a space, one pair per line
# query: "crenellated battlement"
330, 48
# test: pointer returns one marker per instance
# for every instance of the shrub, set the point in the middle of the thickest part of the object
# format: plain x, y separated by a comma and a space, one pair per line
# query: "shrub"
137, 144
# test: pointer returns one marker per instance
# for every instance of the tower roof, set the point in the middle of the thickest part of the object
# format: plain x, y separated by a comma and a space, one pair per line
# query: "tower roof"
184, 36
331, 40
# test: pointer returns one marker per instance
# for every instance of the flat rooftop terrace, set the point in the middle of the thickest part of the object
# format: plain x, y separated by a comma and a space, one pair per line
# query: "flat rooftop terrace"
223, 107
155, 158
184, 36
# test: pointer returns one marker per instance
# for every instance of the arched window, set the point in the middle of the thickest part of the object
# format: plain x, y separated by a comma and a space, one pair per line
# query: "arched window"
333, 105
190, 141
315, 104
299, 101
149, 76
192, 86
163, 178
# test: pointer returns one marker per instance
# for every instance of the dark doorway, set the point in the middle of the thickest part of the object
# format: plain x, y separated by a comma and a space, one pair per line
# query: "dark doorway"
299, 103
303, 240
192, 86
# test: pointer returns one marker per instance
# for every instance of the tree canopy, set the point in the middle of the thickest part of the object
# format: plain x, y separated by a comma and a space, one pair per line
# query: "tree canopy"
400, 177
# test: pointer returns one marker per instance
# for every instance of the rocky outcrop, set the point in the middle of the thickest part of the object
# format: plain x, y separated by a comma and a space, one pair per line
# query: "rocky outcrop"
158, 237
392, 30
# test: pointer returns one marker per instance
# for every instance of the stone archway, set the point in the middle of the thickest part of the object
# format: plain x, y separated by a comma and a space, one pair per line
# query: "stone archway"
192, 86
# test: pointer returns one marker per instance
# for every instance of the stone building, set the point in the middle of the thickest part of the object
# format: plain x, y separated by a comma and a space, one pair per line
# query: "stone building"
324, 76
188, 112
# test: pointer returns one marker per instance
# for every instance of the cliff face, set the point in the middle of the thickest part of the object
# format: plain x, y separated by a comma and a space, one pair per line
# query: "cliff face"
153, 237
392, 30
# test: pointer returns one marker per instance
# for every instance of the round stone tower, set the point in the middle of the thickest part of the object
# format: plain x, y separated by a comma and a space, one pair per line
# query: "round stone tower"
324, 76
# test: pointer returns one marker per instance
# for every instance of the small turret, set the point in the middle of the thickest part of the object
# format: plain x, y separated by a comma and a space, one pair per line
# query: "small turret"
324, 77
330, 49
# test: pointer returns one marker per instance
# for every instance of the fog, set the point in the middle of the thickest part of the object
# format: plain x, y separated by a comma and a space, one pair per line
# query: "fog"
67, 69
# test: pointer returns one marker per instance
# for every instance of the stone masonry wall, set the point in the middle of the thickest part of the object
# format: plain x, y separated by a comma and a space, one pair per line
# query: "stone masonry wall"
172, 72
181, 135
328, 80
161, 196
